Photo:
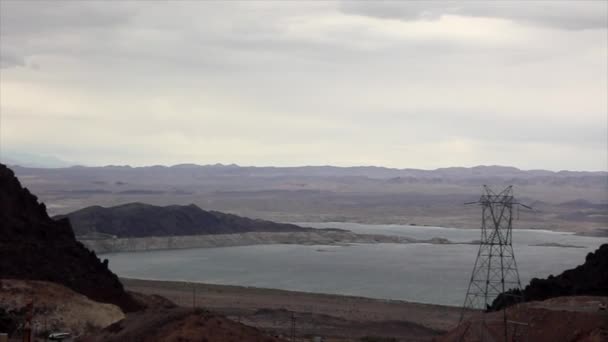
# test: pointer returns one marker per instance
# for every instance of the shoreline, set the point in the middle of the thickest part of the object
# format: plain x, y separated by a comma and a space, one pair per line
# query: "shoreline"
264, 307
593, 232
194, 283
310, 238
313, 237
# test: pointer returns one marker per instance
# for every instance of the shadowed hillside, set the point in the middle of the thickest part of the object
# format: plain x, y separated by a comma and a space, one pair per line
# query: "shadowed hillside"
140, 220
588, 279
35, 247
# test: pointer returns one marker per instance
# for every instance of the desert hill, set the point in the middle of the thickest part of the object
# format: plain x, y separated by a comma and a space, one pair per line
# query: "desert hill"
178, 325
141, 220
568, 319
565, 200
35, 247
589, 279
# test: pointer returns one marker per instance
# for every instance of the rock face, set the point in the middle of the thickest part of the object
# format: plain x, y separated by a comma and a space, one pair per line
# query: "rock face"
141, 220
35, 247
57, 308
590, 279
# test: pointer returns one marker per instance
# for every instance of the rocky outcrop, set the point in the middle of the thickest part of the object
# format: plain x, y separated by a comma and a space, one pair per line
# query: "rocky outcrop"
56, 308
590, 278
141, 220
35, 247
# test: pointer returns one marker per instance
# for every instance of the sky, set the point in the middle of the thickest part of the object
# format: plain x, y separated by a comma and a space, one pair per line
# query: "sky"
396, 84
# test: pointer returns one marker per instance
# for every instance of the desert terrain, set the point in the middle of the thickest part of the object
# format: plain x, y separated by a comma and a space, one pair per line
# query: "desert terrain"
51, 276
57, 308
339, 318
564, 201
345, 318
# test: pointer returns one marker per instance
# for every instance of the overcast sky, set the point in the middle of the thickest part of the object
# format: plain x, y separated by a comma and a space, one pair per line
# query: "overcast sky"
398, 84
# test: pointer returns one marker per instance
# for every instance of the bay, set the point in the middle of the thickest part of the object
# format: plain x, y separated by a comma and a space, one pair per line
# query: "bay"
420, 272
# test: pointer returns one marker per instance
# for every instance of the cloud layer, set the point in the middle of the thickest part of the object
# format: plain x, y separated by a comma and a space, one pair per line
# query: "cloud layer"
425, 84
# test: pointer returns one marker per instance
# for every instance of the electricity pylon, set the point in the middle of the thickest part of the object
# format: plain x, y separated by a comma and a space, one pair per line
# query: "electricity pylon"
495, 269
293, 327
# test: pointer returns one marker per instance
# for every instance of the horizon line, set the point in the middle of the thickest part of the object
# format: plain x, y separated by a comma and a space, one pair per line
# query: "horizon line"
235, 165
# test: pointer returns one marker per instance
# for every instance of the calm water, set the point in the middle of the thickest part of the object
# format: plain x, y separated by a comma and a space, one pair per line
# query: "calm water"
414, 272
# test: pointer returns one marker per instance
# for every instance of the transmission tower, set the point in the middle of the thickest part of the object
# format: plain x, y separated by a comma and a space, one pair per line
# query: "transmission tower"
495, 269
293, 327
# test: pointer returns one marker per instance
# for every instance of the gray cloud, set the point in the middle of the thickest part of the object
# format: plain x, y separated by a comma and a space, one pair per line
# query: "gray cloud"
44, 27
36, 17
570, 15
304, 83
9, 58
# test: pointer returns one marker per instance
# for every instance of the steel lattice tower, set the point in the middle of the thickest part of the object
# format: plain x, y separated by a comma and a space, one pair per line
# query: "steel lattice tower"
495, 269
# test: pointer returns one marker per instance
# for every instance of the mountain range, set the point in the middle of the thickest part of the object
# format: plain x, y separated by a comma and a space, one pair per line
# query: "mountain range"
564, 200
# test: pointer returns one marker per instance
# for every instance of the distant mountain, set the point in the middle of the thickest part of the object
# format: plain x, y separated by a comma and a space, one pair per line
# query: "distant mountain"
140, 220
363, 194
373, 172
33, 160
35, 247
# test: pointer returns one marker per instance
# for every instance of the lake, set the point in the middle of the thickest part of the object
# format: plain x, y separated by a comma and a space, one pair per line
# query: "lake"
425, 273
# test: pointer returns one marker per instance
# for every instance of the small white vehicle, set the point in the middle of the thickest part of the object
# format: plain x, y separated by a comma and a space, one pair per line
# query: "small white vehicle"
59, 336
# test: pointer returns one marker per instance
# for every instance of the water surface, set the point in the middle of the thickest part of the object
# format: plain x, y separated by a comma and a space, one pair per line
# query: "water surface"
425, 273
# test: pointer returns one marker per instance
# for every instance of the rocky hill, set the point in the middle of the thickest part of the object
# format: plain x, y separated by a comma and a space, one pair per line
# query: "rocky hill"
56, 308
590, 279
178, 325
568, 319
142, 220
35, 247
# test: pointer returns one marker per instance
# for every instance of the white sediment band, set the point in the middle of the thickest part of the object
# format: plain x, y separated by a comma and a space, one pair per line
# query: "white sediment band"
245, 239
